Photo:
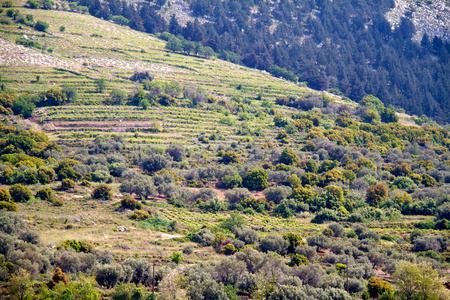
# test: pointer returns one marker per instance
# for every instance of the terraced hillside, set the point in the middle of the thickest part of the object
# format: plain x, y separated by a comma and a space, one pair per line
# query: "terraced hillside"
90, 49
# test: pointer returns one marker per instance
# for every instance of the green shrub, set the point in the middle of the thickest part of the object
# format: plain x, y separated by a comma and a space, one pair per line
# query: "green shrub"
129, 202
388, 237
255, 179
46, 175
120, 20
140, 215
233, 180
67, 184
176, 257
20, 193
103, 192
28, 43
188, 250
45, 194
33, 4
41, 26
5, 195
9, 206
78, 246
297, 260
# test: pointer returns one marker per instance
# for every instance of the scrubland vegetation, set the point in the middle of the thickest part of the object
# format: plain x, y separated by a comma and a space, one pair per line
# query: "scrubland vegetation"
208, 181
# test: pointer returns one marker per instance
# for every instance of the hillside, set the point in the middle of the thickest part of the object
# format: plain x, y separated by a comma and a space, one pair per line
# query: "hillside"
130, 171
395, 50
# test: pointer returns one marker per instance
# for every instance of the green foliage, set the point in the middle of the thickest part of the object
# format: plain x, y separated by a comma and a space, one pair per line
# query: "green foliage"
229, 249
376, 194
101, 85
7, 3
41, 26
58, 277
155, 223
103, 192
78, 246
125, 291
255, 179
129, 202
229, 157
176, 257
419, 281
116, 97
341, 268
84, 288
233, 180
370, 116
388, 115
20, 193
377, 287
5, 195
288, 157
283, 73
140, 215
302, 194
108, 275
328, 232
120, 20
9, 206
298, 260
28, 43
46, 175
23, 106
67, 184
45, 194
234, 221
294, 240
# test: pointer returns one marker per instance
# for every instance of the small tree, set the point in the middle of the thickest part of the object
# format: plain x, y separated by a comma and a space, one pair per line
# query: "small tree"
108, 275
319, 241
229, 157
417, 281
338, 230
255, 179
294, 240
235, 220
102, 191
176, 257
376, 194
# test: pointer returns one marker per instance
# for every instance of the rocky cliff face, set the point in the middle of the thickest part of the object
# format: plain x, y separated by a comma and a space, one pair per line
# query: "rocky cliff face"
429, 16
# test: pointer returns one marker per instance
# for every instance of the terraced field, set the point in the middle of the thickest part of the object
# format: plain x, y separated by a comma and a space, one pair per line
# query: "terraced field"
83, 53
90, 49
